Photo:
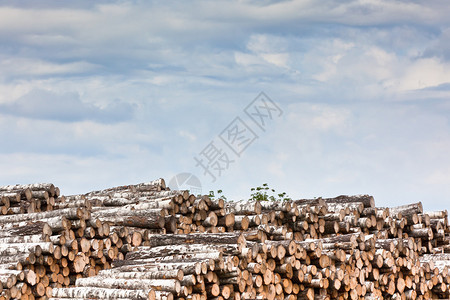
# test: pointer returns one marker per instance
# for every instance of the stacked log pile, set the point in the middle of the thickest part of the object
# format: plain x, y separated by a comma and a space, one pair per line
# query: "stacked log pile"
145, 241
40, 244
30, 198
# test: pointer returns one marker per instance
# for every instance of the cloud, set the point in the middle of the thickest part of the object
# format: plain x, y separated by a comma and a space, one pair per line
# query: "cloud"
24, 67
338, 69
124, 36
46, 105
425, 73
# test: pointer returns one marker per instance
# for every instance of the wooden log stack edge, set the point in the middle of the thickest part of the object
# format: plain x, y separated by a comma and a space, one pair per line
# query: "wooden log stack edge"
146, 241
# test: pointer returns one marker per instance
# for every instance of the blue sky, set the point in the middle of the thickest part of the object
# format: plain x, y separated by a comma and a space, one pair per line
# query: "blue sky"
118, 92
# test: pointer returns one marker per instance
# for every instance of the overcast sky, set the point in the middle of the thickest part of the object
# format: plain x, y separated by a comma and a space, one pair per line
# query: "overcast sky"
356, 100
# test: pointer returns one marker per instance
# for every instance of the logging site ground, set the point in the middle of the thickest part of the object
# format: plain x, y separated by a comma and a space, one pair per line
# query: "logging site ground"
147, 241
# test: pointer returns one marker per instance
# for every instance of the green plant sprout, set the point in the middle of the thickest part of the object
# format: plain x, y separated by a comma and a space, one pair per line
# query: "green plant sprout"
265, 193
220, 195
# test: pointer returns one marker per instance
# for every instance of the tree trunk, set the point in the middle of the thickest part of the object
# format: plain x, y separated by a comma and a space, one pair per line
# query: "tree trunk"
98, 293
367, 200
152, 252
37, 227
156, 240
243, 207
156, 273
151, 221
168, 285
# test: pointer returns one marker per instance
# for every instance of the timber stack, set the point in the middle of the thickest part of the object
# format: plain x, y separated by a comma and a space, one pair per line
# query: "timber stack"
146, 241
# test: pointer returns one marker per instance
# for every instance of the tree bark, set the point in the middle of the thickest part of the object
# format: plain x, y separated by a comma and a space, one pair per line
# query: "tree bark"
168, 285
243, 207
367, 200
196, 267
98, 293
151, 221
156, 240
37, 227
406, 210
153, 252
148, 273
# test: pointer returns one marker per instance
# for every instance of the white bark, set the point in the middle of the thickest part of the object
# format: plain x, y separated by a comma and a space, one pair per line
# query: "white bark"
69, 213
32, 187
243, 207
161, 203
98, 293
168, 285
36, 238
73, 203
42, 194
153, 222
159, 184
14, 249
13, 259
437, 214
406, 210
149, 273
146, 195
367, 200
275, 205
353, 206
161, 295
100, 212
156, 240
189, 267
59, 298
13, 197
183, 257
56, 224
153, 252
127, 205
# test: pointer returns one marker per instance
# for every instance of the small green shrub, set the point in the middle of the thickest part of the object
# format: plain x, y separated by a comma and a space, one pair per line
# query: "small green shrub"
219, 195
265, 193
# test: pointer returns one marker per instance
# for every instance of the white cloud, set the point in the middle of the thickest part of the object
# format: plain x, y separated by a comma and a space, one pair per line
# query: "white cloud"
12, 67
320, 117
337, 69
67, 107
185, 134
424, 73
247, 59
277, 59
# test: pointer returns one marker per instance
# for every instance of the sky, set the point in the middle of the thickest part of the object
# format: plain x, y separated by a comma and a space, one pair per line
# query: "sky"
314, 98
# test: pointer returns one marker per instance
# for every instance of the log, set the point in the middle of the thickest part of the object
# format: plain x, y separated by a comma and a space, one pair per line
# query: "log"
275, 205
24, 191
34, 238
146, 273
13, 197
196, 267
98, 293
68, 213
407, 210
33, 228
168, 285
153, 252
151, 221
368, 201
56, 224
243, 207
99, 212
156, 240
